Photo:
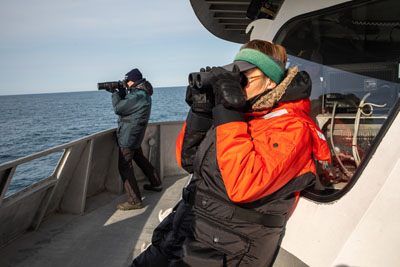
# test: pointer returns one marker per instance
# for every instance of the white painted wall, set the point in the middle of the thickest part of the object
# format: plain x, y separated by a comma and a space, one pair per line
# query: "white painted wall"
265, 29
376, 239
360, 229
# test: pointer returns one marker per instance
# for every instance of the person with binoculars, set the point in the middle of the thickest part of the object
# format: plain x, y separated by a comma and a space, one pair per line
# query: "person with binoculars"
132, 103
250, 145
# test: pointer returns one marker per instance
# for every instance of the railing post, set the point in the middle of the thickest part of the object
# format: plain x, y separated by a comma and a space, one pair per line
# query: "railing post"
50, 191
74, 200
161, 133
5, 178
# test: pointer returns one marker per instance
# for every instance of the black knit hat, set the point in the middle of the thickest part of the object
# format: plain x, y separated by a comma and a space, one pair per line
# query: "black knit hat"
134, 75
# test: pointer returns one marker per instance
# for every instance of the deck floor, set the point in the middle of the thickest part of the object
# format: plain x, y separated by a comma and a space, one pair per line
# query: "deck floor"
102, 236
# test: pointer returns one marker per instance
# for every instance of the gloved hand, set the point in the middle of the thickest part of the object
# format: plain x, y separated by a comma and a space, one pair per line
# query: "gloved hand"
201, 100
122, 92
227, 87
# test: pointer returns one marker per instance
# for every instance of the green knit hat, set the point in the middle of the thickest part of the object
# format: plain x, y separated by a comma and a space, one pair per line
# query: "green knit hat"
270, 66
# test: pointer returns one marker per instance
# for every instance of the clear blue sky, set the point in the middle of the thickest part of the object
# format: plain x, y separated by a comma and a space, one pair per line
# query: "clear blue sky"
63, 46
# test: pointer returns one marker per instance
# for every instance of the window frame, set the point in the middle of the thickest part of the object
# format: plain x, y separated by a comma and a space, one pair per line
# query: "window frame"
312, 194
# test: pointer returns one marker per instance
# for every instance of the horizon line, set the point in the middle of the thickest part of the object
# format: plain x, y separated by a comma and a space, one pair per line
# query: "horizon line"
63, 92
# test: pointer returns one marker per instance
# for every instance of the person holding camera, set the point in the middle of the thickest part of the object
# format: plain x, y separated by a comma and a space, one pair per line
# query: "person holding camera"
250, 145
133, 107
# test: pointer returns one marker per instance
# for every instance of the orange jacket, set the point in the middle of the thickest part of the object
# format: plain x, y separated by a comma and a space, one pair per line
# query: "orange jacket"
258, 156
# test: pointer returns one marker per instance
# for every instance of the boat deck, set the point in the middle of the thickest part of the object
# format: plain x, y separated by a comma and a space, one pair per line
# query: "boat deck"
102, 236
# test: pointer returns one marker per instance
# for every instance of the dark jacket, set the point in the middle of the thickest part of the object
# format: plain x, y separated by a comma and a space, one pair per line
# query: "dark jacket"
247, 173
134, 113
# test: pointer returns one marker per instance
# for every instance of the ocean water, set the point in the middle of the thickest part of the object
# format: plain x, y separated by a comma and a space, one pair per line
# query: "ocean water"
33, 123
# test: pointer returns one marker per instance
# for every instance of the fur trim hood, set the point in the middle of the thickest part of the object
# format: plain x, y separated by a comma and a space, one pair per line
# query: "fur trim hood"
295, 86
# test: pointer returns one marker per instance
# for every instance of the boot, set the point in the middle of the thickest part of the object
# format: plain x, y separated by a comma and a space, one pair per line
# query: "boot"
129, 206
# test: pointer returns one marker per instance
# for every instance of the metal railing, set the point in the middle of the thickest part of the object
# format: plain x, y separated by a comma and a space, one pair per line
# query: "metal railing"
88, 166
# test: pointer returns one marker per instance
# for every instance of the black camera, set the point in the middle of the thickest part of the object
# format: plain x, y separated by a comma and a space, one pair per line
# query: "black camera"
112, 86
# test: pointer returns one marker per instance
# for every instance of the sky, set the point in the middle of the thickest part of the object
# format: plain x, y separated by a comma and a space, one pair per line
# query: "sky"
50, 46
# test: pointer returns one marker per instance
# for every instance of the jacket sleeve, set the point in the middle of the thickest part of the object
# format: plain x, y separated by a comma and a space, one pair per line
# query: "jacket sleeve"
125, 106
253, 167
193, 132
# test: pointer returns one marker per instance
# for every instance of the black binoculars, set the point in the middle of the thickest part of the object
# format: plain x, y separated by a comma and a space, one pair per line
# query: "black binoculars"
202, 80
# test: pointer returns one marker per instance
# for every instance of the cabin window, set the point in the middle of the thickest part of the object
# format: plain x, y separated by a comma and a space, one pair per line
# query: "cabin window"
352, 53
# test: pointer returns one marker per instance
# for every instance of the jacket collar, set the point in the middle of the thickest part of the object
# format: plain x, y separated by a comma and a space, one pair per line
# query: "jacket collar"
302, 105
144, 85
295, 86
292, 93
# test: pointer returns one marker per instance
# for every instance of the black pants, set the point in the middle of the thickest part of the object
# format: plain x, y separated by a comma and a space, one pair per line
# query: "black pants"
125, 167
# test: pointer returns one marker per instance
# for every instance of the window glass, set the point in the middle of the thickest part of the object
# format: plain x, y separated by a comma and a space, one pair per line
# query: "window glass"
352, 54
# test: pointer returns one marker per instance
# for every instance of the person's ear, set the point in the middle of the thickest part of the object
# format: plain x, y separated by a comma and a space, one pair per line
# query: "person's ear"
271, 84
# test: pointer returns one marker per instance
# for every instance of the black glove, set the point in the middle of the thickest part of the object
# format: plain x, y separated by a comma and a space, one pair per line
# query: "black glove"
199, 118
188, 97
227, 88
201, 100
122, 92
